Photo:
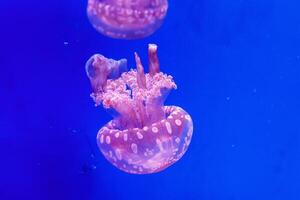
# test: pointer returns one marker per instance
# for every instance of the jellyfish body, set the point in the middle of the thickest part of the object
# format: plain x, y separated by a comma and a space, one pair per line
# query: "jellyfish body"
127, 19
145, 136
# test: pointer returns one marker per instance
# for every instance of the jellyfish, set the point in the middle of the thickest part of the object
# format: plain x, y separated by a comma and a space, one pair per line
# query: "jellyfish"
127, 19
144, 136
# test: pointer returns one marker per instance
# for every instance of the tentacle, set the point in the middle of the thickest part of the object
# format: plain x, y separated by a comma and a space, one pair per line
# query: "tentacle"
141, 79
153, 59
99, 69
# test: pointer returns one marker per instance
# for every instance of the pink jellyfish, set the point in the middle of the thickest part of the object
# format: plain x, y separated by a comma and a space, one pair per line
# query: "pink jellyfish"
127, 19
145, 136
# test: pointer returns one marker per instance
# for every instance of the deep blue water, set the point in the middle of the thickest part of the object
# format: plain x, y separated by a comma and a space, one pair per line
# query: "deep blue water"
237, 67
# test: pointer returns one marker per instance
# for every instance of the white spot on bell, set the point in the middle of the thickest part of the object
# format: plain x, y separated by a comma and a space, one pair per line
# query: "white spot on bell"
169, 128
125, 137
145, 128
101, 139
177, 140
139, 135
107, 140
178, 122
118, 154
159, 144
154, 129
190, 132
187, 117
134, 148
117, 134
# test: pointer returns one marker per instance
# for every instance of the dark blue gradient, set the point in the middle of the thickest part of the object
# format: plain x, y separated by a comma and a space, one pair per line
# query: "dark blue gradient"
237, 67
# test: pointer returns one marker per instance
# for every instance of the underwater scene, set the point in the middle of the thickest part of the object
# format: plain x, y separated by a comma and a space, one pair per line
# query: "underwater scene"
150, 100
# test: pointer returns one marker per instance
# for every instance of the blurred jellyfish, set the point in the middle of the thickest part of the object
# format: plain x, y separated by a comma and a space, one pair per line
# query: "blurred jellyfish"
127, 19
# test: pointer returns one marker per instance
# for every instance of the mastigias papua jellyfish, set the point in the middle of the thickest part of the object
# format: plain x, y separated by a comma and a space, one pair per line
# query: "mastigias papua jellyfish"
144, 136
127, 19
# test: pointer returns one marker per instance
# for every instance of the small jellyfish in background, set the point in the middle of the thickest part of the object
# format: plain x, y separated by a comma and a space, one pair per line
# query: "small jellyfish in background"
127, 19
145, 136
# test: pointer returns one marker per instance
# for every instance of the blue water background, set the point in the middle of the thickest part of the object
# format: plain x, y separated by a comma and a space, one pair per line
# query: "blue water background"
237, 67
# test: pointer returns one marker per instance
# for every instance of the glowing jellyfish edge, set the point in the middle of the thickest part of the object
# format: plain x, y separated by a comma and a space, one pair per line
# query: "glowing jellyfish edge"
127, 19
145, 136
